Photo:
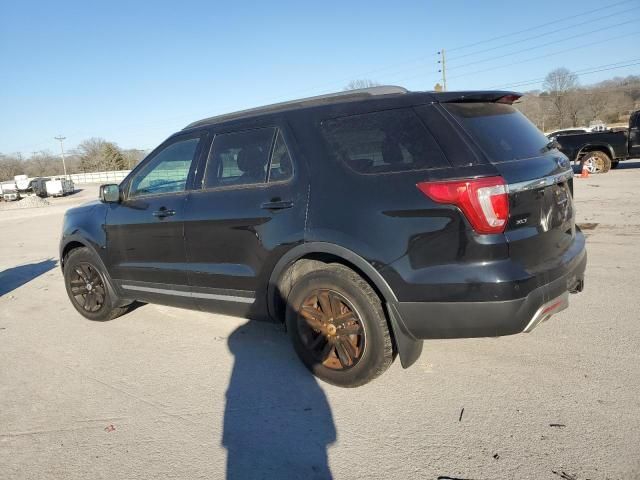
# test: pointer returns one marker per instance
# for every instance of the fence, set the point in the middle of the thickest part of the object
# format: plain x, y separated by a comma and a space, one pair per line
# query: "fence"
114, 176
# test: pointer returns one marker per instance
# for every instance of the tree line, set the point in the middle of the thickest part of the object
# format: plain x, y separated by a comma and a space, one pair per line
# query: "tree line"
91, 155
563, 103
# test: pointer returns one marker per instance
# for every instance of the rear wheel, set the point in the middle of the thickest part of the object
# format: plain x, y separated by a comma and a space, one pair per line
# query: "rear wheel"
87, 287
338, 327
596, 162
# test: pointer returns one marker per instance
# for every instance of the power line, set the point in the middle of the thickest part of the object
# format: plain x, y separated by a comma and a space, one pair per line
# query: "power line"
536, 27
584, 71
544, 44
319, 88
599, 19
466, 74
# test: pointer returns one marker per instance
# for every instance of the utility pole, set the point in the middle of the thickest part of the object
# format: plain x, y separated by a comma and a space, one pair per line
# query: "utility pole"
61, 139
443, 68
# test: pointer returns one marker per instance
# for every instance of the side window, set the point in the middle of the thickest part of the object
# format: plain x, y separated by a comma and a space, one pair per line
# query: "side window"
239, 158
167, 171
382, 142
281, 166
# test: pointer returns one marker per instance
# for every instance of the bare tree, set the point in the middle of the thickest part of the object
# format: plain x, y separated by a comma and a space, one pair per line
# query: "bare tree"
596, 106
42, 163
559, 83
10, 166
360, 83
91, 154
133, 156
536, 107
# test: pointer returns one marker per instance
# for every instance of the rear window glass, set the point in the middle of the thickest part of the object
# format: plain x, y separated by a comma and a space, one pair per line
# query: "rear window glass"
382, 142
500, 130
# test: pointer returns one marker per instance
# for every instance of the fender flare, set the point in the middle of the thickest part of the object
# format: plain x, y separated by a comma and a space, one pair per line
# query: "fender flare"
296, 253
603, 146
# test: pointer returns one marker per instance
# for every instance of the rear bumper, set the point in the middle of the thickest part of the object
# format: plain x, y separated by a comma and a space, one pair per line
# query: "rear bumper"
424, 320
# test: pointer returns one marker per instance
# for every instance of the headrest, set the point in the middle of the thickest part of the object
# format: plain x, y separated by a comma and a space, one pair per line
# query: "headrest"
391, 152
251, 159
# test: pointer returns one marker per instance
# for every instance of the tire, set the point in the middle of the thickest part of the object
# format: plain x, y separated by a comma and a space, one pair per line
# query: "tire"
342, 359
86, 285
615, 164
596, 162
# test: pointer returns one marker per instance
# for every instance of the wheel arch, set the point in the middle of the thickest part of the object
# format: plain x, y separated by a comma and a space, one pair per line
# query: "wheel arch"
597, 147
285, 271
68, 247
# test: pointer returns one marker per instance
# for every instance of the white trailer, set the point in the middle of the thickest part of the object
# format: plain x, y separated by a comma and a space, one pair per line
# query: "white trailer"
59, 186
23, 183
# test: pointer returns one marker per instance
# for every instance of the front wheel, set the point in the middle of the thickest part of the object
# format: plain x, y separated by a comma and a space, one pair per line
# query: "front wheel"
338, 327
87, 287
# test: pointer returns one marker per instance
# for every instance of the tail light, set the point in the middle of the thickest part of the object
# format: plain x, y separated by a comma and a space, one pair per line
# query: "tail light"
484, 201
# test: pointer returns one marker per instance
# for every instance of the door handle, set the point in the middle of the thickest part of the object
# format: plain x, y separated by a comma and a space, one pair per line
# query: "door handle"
163, 212
277, 205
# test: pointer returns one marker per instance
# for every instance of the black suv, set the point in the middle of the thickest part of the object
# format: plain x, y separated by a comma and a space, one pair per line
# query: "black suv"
367, 221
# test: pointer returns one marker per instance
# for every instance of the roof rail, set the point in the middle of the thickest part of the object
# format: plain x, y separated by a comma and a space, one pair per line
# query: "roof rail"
304, 102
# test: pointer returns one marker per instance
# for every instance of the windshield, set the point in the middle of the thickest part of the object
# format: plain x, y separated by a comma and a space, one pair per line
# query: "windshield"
501, 131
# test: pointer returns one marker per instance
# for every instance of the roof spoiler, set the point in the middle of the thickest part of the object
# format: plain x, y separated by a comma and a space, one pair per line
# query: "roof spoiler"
474, 97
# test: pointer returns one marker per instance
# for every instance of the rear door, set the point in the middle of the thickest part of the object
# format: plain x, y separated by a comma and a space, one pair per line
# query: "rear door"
541, 222
145, 232
634, 135
249, 210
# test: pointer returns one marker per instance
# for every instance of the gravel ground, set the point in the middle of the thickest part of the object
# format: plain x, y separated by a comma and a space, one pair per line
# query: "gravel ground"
25, 202
167, 393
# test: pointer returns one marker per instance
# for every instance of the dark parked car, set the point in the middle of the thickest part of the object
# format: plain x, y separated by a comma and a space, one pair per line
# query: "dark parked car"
601, 151
367, 221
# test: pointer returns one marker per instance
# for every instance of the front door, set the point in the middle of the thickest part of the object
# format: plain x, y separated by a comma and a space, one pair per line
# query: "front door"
145, 232
251, 204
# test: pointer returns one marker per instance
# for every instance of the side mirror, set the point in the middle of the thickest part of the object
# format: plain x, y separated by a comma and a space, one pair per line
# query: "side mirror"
110, 193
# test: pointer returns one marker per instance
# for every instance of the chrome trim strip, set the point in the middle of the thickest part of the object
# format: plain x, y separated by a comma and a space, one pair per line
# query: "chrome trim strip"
542, 315
539, 182
178, 293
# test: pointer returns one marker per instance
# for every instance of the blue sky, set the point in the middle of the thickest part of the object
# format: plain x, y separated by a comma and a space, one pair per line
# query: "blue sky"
135, 72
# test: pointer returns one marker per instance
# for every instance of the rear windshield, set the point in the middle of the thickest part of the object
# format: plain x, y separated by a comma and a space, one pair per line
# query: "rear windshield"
383, 142
500, 130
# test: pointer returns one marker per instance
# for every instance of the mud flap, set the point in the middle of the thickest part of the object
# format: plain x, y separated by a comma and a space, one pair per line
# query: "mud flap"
409, 348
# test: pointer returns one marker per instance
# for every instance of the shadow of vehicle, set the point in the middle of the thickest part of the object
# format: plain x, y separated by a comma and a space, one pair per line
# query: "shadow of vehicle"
277, 420
15, 277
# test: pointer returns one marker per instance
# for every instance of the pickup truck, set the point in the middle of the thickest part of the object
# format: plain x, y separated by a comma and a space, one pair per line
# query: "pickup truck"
601, 151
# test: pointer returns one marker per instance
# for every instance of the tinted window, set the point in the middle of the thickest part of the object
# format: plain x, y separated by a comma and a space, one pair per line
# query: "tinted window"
380, 142
239, 158
167, 171
281, 166
500, 130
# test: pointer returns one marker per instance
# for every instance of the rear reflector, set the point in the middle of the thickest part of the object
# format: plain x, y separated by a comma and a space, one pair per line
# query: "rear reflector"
484, 201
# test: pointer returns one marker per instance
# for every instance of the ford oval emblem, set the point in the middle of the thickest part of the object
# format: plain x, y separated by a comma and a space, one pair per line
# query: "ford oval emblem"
562, 162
